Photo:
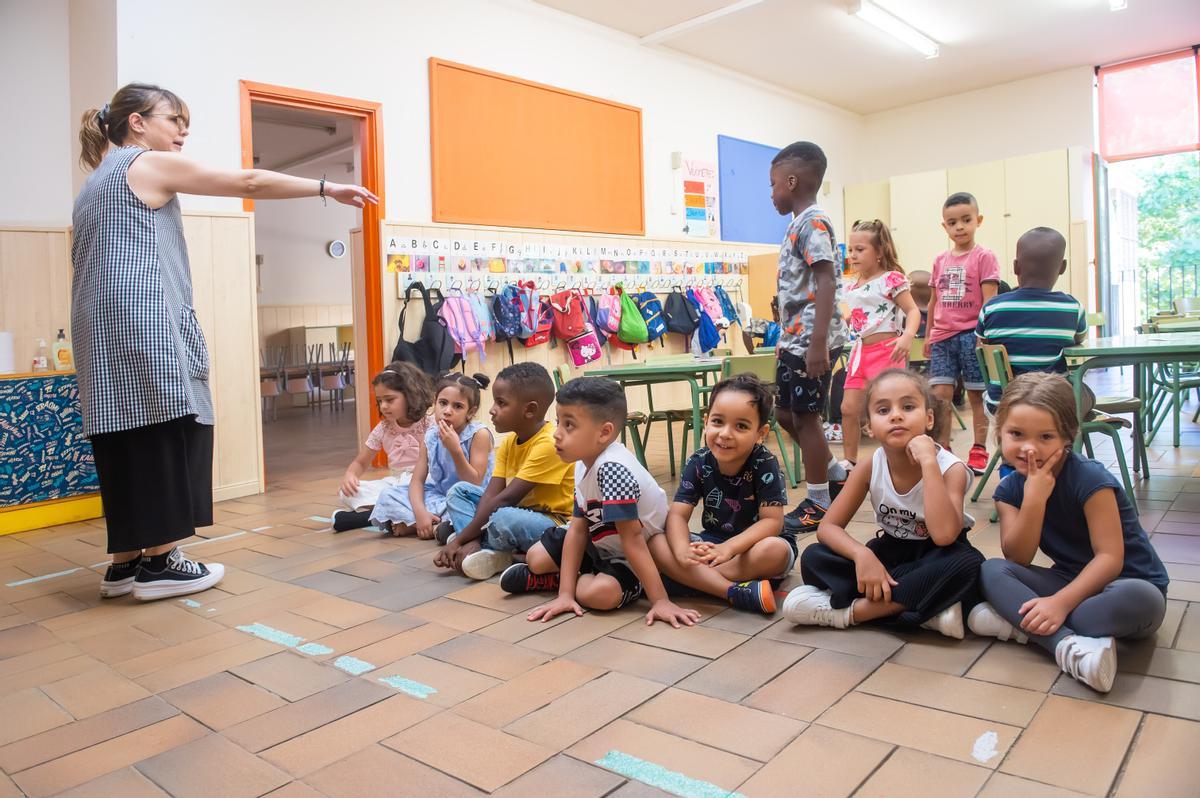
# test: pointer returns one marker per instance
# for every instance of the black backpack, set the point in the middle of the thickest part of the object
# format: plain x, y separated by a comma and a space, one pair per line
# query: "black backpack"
433, 352
682, 316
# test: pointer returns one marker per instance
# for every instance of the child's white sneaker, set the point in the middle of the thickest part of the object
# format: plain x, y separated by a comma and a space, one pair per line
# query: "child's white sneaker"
486, 563
809, 606
948, 622
984, 621
1091, 660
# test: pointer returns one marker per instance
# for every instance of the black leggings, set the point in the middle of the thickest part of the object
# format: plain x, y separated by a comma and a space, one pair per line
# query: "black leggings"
931, 577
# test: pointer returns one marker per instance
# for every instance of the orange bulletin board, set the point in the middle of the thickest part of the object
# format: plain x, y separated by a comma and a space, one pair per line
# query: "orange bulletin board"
513, 153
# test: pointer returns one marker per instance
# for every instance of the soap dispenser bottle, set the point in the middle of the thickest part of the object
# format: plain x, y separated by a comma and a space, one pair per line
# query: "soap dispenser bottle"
64, 356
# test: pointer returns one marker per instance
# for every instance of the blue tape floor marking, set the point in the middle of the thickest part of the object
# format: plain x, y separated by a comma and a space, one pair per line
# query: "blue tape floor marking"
274, 635
414, 689
314, 649
352, 665
191, 603
320, 518
43, 577
658, 776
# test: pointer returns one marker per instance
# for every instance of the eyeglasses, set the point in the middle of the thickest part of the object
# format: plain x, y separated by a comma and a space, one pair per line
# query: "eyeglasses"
180, 120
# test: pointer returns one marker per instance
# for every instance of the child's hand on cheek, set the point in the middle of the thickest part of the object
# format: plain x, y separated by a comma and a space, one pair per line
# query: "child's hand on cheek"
1039, 480
921, 449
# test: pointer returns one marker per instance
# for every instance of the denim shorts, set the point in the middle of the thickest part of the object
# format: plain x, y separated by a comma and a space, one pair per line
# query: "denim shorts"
954, 357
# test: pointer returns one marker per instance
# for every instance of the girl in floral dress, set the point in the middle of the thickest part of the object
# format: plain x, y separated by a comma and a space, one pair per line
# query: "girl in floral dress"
883, 318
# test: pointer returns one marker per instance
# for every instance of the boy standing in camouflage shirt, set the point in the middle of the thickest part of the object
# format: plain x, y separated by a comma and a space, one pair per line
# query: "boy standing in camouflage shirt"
813, 332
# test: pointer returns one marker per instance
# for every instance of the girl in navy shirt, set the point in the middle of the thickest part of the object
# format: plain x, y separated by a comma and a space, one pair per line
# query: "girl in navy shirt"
1106, 580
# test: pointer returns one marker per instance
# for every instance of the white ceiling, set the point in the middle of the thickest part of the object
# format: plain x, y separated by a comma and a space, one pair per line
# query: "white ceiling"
815, 47
288, 138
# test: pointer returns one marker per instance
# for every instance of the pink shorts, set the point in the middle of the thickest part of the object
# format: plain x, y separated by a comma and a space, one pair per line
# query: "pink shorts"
867, 361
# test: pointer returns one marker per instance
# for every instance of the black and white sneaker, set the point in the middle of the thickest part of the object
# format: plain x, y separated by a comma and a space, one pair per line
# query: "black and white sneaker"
118, 579
179, 577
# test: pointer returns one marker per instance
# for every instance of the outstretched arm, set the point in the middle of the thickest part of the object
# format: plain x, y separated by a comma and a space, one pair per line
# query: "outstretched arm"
155, 177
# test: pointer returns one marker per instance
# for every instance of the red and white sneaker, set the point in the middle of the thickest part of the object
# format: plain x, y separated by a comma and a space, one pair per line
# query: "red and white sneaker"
977, 460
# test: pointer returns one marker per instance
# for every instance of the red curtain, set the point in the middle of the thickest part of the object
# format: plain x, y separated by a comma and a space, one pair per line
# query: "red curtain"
1150, 106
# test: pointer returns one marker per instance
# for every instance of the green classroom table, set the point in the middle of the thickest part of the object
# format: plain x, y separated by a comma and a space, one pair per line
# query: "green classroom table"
1137, 351
687, 368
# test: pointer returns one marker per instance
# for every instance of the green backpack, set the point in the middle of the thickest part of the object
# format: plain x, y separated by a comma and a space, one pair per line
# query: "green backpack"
633, 327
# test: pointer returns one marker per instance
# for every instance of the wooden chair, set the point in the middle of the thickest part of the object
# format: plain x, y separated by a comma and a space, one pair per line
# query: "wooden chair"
919, 363
1121, 405
994, 363
763, 367
270, 387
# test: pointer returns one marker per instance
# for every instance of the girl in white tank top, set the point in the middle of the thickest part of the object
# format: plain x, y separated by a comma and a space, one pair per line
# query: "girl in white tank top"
920, 569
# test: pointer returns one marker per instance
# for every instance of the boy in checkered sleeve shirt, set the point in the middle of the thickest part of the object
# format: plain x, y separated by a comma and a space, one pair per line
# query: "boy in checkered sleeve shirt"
601, 560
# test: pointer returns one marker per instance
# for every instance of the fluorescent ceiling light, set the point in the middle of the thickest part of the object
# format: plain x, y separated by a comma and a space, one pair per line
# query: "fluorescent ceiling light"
1118, 5
896, 27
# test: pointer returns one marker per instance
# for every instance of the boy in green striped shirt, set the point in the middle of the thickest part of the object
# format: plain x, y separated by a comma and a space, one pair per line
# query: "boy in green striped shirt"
1033, 322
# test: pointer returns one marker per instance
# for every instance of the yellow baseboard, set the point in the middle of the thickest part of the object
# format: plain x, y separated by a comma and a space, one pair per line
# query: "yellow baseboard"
37, 516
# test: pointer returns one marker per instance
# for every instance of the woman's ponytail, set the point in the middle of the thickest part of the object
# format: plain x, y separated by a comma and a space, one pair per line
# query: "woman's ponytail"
93, 138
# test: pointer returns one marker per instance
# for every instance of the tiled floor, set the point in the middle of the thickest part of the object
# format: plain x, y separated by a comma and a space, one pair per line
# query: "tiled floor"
349, 665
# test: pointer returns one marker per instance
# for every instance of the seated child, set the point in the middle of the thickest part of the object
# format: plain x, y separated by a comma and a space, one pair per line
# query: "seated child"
739, 483
1034, 323
1106, 581
530, 488
403, 394
455, 449
920, 569
600, 561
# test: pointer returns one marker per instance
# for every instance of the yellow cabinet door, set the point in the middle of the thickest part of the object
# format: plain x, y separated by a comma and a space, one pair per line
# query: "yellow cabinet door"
985, 182
867, 201
916, 211
1037, 193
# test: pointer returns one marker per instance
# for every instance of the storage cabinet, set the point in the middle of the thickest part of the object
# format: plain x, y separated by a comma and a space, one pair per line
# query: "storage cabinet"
1014, 195
986, 181
916, 211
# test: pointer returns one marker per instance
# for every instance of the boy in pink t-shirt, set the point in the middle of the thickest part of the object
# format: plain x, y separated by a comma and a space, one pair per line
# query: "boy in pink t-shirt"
964, 278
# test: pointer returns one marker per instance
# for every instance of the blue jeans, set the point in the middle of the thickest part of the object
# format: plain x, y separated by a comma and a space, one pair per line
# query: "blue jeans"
509, 528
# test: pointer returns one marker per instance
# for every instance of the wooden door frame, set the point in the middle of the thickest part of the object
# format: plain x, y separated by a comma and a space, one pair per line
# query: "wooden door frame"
370, 116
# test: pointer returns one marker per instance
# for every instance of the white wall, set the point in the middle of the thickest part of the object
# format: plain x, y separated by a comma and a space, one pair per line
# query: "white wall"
93, 68
291, 238
34, 95
299, 43
1048, 112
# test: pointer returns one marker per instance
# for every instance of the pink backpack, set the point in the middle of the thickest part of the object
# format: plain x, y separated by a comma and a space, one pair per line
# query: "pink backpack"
712, 306
462, 325
608, 312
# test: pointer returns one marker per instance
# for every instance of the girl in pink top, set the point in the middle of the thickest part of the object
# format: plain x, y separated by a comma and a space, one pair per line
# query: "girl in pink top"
883, 318
403, 394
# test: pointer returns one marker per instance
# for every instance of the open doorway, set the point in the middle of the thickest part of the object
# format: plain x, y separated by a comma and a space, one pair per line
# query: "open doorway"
1154, 236
317, 338
305, 304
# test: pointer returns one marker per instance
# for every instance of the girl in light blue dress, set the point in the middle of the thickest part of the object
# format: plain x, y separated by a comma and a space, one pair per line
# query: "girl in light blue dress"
456, 448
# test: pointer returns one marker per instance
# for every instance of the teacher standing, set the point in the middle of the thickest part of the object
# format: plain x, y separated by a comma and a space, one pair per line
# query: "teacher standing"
141, 358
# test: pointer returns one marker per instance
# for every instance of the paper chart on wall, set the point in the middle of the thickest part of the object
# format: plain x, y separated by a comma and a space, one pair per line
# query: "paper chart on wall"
698, 186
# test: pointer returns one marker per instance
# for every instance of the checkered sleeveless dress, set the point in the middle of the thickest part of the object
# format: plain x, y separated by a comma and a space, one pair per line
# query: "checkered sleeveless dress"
140, 355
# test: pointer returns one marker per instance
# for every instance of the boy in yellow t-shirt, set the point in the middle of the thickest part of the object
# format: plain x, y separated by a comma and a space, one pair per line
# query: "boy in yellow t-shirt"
531, 487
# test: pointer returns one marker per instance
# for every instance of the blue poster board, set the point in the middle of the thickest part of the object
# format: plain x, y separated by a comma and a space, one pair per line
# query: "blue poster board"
745, 184
43, 454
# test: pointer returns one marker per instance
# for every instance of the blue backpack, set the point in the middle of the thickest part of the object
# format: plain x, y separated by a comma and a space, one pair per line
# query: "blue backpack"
650, 306
727, 307
506, 316
707, 336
